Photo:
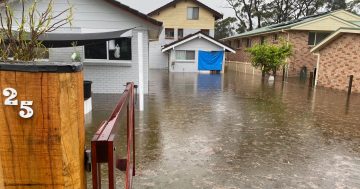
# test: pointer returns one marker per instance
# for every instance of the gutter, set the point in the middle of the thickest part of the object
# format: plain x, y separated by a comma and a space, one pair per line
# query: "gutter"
252, 35
287, 59
317, 68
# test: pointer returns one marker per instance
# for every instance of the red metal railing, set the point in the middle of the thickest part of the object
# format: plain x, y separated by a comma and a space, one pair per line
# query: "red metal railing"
103, 148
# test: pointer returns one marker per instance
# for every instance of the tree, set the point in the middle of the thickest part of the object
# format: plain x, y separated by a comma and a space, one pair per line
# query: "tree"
253, 14
333, 5
247, 10
270, 57
354, 6
22, 44
225, 28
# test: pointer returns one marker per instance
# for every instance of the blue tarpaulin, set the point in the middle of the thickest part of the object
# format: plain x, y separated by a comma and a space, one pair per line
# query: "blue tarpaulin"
211, 60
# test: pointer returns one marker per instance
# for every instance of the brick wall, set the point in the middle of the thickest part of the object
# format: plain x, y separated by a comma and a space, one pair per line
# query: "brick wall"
338, 60
301, 51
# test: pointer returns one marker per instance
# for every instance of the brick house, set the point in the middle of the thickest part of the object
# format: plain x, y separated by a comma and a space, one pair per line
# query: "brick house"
338, 58
303, 34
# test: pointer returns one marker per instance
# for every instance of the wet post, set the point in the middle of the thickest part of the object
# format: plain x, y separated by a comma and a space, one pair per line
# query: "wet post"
350, 84
311, 80
315, 75
351, 78
284, 72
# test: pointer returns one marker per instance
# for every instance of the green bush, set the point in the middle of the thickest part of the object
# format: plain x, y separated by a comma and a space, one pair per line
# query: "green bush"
270, 57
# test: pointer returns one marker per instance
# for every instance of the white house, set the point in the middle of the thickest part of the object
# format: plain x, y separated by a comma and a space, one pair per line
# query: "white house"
109, 64
196, 52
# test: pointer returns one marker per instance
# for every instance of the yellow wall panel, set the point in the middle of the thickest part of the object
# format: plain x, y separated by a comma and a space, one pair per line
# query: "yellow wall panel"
346, 16
176, 17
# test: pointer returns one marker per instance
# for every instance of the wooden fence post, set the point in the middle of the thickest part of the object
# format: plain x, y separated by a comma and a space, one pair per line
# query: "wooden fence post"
41, 126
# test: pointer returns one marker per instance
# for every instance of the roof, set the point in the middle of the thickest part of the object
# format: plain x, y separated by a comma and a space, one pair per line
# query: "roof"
334, 36
216, 14
196, 36
132, 11
135, 12
356, 22
292, 24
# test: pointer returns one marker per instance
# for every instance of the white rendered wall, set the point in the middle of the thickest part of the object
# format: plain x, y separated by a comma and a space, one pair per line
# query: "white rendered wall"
196, 45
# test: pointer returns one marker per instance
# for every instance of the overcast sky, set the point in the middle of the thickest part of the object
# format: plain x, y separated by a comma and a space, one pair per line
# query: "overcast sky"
146, 6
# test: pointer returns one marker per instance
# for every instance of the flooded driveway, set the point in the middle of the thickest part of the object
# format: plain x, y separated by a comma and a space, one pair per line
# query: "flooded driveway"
233, 131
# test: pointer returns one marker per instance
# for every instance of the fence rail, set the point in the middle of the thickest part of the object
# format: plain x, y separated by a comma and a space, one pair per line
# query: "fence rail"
103, 148
241, 67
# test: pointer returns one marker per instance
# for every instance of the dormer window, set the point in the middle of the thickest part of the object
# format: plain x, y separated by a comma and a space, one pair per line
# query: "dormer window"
193, 13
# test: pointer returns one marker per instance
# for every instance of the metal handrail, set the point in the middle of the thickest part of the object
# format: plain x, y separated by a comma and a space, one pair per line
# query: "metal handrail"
102, 144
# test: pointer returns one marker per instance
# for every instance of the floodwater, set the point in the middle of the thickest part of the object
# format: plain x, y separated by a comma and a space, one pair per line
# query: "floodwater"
234, 131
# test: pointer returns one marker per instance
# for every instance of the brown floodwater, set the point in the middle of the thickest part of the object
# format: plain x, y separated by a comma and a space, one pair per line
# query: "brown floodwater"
234, 131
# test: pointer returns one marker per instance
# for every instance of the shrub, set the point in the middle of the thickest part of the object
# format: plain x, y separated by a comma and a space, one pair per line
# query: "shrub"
270, 57
22, 44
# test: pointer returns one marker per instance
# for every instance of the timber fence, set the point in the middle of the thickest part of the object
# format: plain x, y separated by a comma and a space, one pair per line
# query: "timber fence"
241, 67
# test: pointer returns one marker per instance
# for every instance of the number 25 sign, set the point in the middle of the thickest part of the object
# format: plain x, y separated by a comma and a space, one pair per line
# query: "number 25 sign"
25, 106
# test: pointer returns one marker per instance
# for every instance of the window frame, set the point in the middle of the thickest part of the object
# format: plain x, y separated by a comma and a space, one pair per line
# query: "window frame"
262, 40
185, 60
192, 15
316, 33
182, 36
248, 42
107, 60
275, 37
173, 32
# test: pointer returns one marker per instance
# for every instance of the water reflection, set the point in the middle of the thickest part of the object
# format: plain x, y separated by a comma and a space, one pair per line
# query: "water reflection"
235, 131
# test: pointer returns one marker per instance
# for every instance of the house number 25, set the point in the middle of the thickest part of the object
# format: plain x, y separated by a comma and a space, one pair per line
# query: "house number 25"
25, 106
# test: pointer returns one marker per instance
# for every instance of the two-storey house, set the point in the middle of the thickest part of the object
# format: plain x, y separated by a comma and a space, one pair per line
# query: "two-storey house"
180, 18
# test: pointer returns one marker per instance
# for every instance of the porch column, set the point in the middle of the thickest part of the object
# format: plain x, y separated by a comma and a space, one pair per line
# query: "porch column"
141, 70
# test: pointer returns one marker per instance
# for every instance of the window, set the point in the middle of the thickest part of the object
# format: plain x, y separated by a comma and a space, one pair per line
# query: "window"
316, 37
193, 13
185, 55
248, 42
205, 31
117, 49
262, 40
237, 44
311, 40
275, 37
228, 43
96, 50
180, 33
169, 33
